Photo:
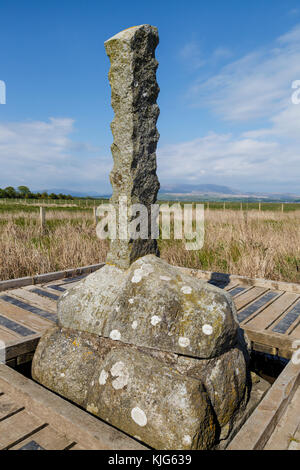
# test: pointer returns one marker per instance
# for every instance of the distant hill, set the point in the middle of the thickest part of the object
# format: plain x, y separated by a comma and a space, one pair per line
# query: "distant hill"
198, 189
194, 192
213, 192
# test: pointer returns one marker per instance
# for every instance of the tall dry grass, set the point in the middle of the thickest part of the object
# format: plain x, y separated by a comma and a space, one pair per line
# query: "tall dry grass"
254, 244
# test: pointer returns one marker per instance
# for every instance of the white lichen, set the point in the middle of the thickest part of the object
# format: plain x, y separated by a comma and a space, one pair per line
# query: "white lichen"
183, 342
139, 416
137, 276
186, 290
207, 329
165, 278
120, 371
155, 320
103, 377
115, 335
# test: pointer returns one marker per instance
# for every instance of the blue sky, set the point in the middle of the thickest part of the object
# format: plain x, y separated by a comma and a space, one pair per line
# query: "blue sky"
226, 72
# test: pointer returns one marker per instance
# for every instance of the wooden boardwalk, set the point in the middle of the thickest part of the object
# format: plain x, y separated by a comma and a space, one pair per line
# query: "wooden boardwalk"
32, 417
268, 311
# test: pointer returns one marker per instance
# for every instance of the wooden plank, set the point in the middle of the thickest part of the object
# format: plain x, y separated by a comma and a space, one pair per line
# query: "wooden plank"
237, 290
8, 336
257, 306
77, 447
223, 277
7, 407
39, 279
34, 299
15, 327
74, 280
264, 348
24, 317
67, 273
287, 426
13, 283
45, 293
46, 439
251, 295
288, 320
56, 287
18, 348
18, 427
28, 307
296, 332
272, 313
260, 425
275, 340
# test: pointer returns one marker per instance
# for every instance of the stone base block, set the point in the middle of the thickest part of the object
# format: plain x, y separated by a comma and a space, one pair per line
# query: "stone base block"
162, 399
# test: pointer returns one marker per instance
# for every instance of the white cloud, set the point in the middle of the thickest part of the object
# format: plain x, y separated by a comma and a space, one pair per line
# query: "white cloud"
255, 86
191, 54
43, 155
245, 163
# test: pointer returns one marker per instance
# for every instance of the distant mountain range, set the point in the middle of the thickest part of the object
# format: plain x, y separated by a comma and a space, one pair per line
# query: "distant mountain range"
194, 192
191, 192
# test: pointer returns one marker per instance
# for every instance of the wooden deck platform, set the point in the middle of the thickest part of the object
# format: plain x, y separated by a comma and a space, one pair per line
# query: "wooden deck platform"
268, 311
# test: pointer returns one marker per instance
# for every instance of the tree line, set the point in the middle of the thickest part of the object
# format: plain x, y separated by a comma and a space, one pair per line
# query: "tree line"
23, 192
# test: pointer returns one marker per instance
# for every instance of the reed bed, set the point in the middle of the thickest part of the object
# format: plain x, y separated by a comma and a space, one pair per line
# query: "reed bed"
249, 243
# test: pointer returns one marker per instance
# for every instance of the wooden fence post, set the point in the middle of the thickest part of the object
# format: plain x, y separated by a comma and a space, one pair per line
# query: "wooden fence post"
42, 217
95, 215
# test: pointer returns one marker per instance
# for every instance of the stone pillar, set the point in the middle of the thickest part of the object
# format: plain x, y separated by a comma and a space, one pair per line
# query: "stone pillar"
134, 91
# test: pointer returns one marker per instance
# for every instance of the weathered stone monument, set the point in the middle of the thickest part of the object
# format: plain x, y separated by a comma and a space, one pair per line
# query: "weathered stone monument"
139, 343
134, 91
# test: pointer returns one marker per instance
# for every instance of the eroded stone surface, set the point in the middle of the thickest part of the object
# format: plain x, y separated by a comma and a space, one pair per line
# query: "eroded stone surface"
183, 315
128, 387
134, 91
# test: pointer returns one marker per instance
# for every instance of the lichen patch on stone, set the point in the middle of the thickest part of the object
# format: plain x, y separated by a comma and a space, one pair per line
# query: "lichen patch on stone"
137, 276
139, 416
103, 377
165, 278
92, 409
115, 335
120, 371
207, 329
186, 290
183, 342
155, 320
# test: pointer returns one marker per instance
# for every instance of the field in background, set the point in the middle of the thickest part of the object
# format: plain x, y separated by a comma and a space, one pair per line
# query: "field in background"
248, 242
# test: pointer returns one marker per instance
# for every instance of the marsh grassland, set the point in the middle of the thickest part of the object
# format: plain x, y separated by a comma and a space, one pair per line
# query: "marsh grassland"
264, 244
